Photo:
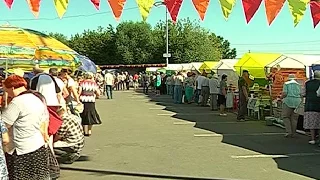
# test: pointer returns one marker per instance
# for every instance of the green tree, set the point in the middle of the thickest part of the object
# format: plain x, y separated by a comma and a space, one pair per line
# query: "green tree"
137, 43
226, 51
134, 42
188, 42
98, 45
60, 37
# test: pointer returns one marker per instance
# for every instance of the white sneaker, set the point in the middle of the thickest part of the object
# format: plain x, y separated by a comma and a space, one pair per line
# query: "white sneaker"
312, 142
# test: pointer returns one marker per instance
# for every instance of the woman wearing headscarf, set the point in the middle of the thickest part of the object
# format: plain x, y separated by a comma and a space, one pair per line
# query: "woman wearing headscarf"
89, 90
312, 108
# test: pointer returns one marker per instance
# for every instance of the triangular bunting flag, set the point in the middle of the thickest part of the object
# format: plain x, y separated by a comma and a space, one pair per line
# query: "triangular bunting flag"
315, 12
9, 3
34, 7
61, 7
250, 7
117, 7
96, 3
227, 6
201, 6
273, 7
145, 7
297, 9
173, 7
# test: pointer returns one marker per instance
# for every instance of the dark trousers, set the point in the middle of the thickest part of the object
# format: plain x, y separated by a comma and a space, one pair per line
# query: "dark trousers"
242, 112
109, 91
145, 87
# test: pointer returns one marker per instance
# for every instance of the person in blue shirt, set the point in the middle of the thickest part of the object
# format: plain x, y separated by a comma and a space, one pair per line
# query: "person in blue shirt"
291, 98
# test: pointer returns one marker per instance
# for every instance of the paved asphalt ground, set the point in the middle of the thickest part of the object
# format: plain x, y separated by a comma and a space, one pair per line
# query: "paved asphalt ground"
151, 138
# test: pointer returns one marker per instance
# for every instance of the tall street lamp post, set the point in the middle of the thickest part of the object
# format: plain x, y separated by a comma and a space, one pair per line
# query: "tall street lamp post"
166, 55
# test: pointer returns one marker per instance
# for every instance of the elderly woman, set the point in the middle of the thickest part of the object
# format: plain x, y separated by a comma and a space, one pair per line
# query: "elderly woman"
89, 90
312, 108
27, 117
291, 96
189, 87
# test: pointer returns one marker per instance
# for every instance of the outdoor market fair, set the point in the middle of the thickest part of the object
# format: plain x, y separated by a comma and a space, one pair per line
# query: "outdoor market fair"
268, 72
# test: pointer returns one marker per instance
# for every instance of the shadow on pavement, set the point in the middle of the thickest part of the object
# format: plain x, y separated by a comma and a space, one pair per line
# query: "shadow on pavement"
293, 155
133, 174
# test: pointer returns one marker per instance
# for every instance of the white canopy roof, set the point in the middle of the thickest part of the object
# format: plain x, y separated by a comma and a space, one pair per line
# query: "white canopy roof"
196, 65
186, 66
295, 61
174, 67
227, 64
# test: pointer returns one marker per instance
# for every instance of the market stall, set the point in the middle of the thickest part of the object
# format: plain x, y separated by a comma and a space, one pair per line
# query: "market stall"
225, 66
195, 66
208, 66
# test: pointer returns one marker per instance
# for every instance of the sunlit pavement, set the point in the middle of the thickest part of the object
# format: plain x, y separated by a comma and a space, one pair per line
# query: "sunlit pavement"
143, 139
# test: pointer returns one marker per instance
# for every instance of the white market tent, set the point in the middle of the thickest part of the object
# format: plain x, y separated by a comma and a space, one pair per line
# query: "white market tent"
225, 66
152, 69
186, 66
174, 67
195, 66
296, 61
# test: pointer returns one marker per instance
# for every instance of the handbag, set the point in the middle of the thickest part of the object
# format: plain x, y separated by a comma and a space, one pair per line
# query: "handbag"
300, 109
54, 167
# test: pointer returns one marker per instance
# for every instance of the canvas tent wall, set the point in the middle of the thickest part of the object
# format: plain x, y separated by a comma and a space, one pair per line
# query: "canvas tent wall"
186, 66
195, 66
225, 66
152, 69
255, 63
174, 67
208, 66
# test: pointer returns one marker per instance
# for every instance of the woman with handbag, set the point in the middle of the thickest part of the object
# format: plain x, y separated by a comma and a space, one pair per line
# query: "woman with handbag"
27, 117
291, 97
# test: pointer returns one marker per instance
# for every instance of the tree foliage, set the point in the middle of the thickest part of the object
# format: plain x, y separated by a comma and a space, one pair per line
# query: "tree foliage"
137, 42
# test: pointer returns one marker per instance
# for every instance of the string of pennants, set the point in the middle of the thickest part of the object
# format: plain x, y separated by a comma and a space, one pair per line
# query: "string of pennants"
250, 7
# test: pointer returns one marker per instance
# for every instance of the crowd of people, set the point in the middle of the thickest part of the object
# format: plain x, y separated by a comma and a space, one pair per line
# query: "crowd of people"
207, 89
44, 122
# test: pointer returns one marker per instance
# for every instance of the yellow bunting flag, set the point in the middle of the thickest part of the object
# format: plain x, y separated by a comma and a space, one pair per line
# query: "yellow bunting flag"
145, 7
227, 6
34, 7
117, 7
297, 9
61, 7
201, 6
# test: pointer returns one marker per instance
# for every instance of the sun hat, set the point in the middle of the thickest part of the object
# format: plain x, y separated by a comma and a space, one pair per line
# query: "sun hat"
291, 77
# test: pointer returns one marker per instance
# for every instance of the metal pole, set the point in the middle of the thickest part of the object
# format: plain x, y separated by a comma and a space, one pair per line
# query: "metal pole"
167, 37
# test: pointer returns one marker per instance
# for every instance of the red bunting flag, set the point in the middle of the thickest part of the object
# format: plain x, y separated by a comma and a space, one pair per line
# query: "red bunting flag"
117, 7
96, 3
9, 3
173, 7
315, 12
34, 7
250, 7
201, 6
273, 7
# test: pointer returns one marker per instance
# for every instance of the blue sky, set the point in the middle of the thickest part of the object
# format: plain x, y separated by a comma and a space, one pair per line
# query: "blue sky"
257, 36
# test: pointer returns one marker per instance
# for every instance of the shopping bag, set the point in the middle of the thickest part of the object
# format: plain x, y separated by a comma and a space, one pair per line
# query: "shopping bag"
300, 109
183, 98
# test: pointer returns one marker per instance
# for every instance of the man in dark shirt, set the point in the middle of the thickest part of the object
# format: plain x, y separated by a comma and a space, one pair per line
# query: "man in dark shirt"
243, 95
